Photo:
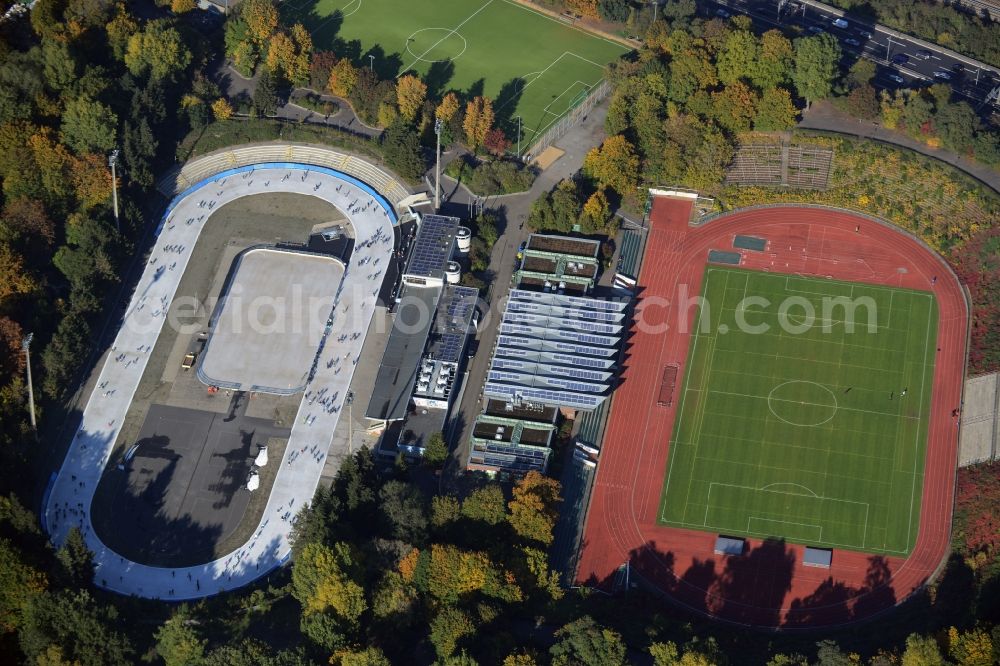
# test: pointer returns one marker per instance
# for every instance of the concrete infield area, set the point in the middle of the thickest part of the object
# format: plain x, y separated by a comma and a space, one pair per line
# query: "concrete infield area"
271, 320
183, 490
301, 464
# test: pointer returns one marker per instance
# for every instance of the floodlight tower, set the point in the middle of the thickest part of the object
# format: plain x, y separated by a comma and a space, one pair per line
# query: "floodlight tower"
112, 162
519, 137
26, 346
437, 166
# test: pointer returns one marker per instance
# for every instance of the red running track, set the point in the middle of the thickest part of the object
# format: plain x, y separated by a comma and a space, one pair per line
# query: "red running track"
768, 585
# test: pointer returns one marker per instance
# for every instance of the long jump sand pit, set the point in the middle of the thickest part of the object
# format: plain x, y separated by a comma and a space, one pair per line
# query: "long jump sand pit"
270, 319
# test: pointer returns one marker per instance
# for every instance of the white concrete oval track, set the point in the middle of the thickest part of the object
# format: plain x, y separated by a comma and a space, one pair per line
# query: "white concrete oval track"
71, 492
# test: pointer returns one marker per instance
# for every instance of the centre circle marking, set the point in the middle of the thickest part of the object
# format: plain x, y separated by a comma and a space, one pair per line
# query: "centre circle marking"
449, 33
771, 400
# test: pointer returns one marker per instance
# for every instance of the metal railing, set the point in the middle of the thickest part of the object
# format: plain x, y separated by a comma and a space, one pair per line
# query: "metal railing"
181, 177
572, 118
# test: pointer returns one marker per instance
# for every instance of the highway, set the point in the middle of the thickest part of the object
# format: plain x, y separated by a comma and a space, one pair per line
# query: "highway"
904, 62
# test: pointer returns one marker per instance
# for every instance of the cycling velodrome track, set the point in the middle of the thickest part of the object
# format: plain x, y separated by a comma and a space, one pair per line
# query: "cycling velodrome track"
767, 586
71, 493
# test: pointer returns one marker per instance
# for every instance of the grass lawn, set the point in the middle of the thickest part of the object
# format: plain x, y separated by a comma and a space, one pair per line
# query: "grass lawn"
532, 65
803, 431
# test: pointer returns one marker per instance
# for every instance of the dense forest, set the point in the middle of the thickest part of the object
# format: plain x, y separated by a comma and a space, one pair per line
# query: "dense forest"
387, 568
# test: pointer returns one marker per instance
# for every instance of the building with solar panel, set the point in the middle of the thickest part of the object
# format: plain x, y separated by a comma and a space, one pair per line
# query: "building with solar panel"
557, 351
414, 386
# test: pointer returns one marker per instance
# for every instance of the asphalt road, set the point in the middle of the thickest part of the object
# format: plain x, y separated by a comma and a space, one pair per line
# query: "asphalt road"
971, 79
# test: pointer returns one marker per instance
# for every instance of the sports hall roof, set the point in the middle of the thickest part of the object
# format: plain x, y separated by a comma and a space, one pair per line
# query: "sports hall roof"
556, 350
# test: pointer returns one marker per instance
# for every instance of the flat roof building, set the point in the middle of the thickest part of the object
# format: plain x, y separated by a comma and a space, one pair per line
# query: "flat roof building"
511, 440
559, 263
556, 350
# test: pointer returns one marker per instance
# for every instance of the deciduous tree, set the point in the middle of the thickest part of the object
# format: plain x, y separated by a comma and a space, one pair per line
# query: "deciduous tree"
158, 51
773, 66
261, 17
14, 276
448, 627
613, 164
816, 66
586, 643
179, 643
343, 78
410, 95
738, 57
91, 180
486, 504
533, 510
448, 107
436, 450
221, 109
20, 582
775, 111
478, 121
326, 578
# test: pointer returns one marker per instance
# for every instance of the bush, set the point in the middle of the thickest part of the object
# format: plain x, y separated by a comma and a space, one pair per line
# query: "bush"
317, 104
491, 177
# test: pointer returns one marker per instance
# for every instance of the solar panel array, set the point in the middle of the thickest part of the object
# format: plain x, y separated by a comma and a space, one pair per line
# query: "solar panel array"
454, 315
432, 246
553, 341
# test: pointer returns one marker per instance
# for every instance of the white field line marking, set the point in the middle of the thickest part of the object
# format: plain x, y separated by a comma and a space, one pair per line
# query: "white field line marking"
447, 35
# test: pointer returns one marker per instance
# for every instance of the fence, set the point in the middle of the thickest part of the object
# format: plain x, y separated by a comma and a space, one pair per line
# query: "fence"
180, 178
572, 118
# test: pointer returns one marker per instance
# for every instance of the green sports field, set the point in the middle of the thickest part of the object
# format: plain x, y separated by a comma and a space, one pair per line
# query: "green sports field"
530, 64
802, 431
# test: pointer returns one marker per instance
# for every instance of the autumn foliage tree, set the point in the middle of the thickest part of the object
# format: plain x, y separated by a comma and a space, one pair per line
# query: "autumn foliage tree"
343, 78
614, 164
534, 508
448, 107
326, 578
478, 121
410, 95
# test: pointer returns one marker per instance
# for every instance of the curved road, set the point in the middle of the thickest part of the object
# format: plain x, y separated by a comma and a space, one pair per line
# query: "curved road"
69, 503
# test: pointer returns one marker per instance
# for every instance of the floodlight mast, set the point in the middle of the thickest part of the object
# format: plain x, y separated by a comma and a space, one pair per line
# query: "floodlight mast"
112, 161
437, 166
26, 346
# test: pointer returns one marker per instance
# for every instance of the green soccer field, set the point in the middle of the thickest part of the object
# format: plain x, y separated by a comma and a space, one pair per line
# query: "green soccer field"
530, 64
803, 431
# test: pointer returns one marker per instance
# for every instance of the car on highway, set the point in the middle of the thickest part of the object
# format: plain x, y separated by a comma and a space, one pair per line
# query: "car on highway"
840, 23
924, 54
816, 30
851, 41
865, 34
897, 78
900, 59
943, 75
722, 13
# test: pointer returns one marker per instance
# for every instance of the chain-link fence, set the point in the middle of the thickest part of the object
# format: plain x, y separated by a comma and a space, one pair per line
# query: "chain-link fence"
572, 118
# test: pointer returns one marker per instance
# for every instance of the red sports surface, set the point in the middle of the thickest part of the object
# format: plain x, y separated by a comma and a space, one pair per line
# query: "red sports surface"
767, 585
